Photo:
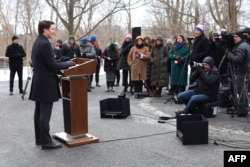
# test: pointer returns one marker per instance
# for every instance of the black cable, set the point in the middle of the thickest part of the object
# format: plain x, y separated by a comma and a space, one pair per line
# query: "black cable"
136, 137
241, 144
159, 119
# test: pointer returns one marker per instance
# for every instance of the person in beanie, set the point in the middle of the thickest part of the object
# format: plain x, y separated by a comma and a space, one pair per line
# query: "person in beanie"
88, 51
15, 53
137, 60
208, 80
159, 59
110, 56
201, 46
240, 58
126, 73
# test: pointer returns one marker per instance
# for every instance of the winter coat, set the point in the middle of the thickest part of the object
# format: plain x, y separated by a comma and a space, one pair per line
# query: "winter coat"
45, 82
207, 82
109, 65
15, 53
240, 57
126, 46
159, 59
88, 51
138, 66
217, 52
179, 70
72, 52
98, 52
200, 49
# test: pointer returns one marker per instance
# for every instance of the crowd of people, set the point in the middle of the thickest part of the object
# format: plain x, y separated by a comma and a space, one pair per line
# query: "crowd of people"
151, 62
146, 62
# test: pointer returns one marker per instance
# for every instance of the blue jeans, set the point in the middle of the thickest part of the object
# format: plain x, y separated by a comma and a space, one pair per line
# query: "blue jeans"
192, 100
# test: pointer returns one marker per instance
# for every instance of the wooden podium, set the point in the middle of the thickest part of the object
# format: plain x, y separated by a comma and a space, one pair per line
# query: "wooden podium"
75, 103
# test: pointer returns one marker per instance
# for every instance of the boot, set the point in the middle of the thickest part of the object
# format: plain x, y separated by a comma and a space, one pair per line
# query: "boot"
108, 89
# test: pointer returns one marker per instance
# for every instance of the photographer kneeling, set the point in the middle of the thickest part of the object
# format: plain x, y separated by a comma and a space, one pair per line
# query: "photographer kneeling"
207, 77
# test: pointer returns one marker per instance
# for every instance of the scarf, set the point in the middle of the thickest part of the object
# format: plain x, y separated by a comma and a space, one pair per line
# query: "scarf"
179, 45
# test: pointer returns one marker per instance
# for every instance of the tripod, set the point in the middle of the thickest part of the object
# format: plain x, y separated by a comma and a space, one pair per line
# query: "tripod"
237, 96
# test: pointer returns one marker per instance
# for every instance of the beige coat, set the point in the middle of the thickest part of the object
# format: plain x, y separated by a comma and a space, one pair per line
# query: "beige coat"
138, 66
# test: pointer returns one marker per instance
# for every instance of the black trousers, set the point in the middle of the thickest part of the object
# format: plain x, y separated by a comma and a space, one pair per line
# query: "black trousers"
117, 76
20, 79
125, 78
97, 73
42, 117
138, 86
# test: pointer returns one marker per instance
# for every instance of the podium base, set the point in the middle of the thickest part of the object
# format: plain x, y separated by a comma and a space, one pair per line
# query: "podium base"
73, 141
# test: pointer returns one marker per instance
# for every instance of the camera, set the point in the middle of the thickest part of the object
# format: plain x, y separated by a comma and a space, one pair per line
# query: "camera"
195, 64
227, 39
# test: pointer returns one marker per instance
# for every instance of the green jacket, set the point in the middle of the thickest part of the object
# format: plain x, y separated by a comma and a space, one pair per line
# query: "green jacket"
179, 68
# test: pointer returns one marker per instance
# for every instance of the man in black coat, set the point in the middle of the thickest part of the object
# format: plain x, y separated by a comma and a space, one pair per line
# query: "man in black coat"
45, 83
208, 80
201, 46
240, 58
15, 53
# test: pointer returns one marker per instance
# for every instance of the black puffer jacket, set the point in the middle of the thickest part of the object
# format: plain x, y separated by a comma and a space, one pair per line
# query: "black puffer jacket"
126, 46
200, 49
240, 57
207, 82
15, 53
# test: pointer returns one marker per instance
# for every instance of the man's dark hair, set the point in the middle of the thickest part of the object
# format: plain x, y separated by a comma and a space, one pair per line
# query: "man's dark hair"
45, 24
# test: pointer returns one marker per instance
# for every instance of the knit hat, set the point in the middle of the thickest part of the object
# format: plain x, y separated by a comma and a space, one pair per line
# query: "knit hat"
59, 41
84, 40
129, 36
14, 37
240, 33
159, 37
209, 60
92, 38
200, 28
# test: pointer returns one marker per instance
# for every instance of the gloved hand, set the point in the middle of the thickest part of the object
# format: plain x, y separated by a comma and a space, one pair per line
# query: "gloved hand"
177, 59
71, 63
63, 59
138, 55
199, 70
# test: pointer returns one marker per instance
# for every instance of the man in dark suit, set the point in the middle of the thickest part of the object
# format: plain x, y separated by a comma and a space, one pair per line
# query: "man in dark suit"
15, 53
45, 83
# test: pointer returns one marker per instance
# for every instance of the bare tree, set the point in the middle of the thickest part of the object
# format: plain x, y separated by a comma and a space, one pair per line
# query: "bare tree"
225, 13
72, 12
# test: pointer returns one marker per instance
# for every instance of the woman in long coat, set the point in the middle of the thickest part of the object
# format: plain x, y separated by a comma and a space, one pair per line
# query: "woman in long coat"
137, 60
126, 46
159, 74
178, 56
110, 56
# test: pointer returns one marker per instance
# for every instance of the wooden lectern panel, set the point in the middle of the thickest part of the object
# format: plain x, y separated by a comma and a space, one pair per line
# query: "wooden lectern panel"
83, 66
75, 103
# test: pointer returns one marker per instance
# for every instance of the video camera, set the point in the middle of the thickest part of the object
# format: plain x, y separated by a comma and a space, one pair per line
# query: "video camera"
195, 64
227, 39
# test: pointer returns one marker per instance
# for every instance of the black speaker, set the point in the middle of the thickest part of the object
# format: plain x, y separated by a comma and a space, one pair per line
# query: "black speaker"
136, 31
192, 129
115, 108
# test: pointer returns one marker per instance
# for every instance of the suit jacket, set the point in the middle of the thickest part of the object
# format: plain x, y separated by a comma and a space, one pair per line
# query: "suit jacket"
45, 82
